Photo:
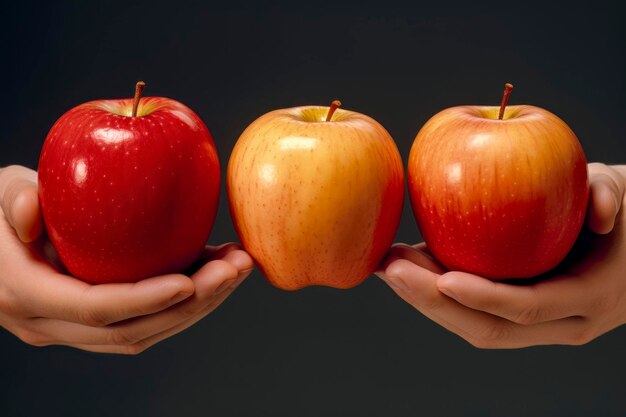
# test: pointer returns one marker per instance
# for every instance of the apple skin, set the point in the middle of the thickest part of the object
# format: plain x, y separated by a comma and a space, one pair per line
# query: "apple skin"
125, 198
315, 202
498, 198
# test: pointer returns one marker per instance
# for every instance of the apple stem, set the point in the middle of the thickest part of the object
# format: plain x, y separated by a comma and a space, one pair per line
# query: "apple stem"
505, 99
333, 106
138, 90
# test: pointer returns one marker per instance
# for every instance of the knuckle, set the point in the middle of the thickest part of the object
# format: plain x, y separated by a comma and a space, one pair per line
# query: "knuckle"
398, 267
121, 337
434, 303
24, 195
92, 318
8, 305
491, 336
533, 309
528, 315
604, 303
189, 310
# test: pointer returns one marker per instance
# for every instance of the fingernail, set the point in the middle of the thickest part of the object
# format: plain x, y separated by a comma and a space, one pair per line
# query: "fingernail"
449, 293
179, 297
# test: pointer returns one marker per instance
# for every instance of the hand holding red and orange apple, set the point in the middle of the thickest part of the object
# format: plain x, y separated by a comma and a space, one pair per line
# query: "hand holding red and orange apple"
582, 299
500, 192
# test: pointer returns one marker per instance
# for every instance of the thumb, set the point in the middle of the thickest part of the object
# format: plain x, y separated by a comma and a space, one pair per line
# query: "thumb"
20, 202
606, 186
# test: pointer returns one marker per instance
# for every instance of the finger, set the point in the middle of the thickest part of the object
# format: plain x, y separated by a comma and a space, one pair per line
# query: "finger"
219, 299
231, 252
606, 193
238, 257
234, 255
139, 346
424, 248
556, 298
217, 252
211, 281
20, 201
215, 278
418, 287
66, 298
415, 254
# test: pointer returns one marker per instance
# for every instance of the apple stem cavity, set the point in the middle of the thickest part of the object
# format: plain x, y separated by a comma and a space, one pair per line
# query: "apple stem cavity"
505, 99
333, 106
138, 90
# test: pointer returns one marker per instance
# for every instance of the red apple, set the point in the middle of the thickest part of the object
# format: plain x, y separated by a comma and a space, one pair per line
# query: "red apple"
316, 195
502, 194
128, 188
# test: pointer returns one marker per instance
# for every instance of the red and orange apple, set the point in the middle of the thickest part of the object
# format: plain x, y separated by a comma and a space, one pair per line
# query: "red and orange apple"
499, 192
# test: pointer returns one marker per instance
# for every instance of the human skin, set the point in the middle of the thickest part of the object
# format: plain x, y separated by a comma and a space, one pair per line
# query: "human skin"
42, 305
581, 299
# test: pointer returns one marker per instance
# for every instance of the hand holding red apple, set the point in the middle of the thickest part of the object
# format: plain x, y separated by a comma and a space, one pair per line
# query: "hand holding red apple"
43, 306
582, 299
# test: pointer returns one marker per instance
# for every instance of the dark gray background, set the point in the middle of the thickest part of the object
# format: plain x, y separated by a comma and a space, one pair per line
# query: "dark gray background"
318, 351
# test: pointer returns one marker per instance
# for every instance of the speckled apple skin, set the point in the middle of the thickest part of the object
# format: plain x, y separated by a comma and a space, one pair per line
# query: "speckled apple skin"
498, 198
125, 198
315, 202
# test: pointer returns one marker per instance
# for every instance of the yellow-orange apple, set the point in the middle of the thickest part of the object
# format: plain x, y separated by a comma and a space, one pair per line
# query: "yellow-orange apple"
498, 192
316, 195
